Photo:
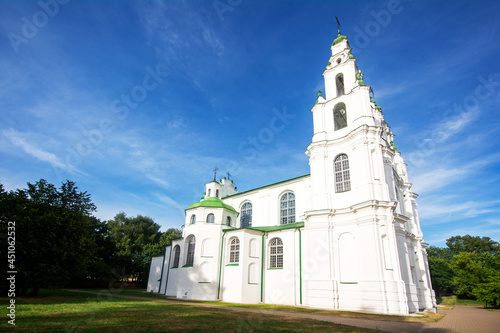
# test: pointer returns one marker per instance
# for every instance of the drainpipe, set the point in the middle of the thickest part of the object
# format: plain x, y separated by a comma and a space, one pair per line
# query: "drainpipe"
300, 265
262, 269
220, 263
168, 268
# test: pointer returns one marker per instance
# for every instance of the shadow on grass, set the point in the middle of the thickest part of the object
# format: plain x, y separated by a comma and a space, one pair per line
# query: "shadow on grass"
70, 312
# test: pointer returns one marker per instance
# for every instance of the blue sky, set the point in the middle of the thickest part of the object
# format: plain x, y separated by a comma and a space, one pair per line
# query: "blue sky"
137, 102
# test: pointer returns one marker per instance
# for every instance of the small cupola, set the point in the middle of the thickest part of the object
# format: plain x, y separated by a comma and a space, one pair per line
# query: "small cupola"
213, 189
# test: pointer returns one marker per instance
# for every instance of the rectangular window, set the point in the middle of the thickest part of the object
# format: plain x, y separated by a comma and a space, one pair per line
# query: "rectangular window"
234, 251
276, 253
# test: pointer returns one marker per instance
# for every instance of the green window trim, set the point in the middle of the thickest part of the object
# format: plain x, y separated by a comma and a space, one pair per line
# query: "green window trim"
274, 268
204, 282
232, 264
174, 267
253, 283
188, 265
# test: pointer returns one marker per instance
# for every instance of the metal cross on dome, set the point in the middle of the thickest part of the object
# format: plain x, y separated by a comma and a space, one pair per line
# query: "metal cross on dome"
215, 173
228, 175
338, 24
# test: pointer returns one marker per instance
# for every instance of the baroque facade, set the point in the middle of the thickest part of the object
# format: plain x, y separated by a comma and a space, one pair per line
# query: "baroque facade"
346, 236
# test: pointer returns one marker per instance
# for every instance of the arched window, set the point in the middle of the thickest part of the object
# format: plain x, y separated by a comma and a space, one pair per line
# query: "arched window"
246, 215
210, 218
228, 221
340, 116
342, 176
191, 242
287, 208
209, 192
234, 251
339, 81
193, 219
276, 253
177, 254
217, 193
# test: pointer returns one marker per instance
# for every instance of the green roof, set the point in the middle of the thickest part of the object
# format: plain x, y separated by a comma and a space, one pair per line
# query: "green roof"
259, 188
338, 39
211, 202
274, 227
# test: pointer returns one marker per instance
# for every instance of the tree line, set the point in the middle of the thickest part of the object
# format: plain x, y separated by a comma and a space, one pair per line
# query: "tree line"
57, 242
469, 266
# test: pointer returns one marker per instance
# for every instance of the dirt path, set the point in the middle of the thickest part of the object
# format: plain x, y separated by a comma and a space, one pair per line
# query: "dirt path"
462, 319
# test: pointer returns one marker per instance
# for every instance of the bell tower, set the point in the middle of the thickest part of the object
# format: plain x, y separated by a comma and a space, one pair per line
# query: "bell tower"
347, 127
359, 189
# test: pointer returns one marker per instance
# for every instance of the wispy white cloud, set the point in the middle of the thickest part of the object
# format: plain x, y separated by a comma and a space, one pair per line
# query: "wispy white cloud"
158, 180
436, 179
453, 229
40, 154
440, 173
177, 31
176, 123
445, 130
165, 199
437, 210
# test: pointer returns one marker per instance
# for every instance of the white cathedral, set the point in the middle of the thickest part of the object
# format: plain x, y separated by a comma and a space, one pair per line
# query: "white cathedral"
344, 237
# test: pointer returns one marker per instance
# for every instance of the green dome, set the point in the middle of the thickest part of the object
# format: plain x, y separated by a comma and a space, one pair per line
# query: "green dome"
211, 202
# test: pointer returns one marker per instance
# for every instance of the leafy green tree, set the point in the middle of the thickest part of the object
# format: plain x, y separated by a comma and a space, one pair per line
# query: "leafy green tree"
138, 239
54, 235
466, 268
441, 273
468, 243
104, 267
477, 275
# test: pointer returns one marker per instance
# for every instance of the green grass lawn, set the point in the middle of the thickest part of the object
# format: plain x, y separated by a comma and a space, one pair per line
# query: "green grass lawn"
64, 311
454, 300
423, 318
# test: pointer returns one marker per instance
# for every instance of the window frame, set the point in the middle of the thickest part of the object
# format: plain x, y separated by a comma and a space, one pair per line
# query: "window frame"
177, 255
275, 253
211, 218
246, 213
234, 250
191, 246
192, 220
287, 208
337, 109
342, 173
339, 78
